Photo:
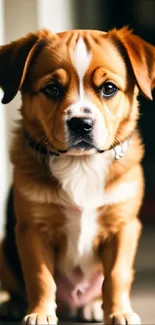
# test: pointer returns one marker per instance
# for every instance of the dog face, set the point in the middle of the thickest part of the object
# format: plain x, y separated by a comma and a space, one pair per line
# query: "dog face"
79, 88
78, 93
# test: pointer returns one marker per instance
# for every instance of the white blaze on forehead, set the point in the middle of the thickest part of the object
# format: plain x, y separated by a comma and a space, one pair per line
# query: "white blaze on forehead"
81, 58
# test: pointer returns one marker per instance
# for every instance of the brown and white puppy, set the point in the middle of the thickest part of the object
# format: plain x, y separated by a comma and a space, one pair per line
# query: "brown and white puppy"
76, 203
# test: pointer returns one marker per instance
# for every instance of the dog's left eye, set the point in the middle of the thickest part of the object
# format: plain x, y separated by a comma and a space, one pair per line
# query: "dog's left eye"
52, 90
108, 89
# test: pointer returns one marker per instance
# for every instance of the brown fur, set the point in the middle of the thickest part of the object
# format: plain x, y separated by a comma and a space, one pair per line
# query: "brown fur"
29, 64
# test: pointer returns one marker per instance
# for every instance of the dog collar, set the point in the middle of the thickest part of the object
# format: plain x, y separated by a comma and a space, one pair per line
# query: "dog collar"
118, 151
39, 147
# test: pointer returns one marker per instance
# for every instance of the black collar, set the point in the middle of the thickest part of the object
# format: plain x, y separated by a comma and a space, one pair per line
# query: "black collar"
38, 146
117, 150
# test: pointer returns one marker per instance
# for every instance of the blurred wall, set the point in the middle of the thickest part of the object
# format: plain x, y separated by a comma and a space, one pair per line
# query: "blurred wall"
57, 15
3, 145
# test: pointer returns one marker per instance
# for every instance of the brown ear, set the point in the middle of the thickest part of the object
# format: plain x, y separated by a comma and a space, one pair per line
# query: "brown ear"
141, 57
13, 65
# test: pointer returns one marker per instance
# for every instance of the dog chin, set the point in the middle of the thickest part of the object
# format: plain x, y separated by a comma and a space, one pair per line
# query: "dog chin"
81, 148
82, 152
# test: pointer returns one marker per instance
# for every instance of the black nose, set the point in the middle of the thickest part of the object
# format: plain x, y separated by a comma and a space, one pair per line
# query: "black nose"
80, 125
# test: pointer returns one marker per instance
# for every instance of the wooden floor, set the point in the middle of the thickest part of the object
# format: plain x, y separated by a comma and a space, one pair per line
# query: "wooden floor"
143, 292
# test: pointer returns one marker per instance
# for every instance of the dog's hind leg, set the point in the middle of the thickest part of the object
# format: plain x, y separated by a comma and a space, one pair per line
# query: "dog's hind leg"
13, 308
7, 278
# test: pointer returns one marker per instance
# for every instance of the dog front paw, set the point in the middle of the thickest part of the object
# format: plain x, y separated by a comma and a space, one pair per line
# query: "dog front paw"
93, 311
129, 318
39, 319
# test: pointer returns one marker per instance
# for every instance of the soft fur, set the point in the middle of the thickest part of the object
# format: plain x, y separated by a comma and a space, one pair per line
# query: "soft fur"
76, 211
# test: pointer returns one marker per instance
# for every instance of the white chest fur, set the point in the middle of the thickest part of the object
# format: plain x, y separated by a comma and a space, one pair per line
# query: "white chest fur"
82, 179
81, 228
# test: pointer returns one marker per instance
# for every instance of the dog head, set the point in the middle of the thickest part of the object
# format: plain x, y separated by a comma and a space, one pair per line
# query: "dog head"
79, 88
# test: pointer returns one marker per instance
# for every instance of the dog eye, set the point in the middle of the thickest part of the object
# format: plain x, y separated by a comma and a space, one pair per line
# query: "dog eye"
108, 89
52, 90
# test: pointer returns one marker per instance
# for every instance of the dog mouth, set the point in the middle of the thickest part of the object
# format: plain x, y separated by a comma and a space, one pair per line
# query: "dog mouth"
81, 143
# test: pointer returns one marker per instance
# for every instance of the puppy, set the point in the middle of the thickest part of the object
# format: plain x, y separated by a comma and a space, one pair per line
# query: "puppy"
77, 182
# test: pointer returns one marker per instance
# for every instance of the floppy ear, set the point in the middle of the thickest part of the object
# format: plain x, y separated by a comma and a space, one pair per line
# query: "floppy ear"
141, 57
14, 59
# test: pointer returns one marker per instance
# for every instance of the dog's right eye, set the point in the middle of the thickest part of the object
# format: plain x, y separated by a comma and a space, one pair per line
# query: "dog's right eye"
52, 91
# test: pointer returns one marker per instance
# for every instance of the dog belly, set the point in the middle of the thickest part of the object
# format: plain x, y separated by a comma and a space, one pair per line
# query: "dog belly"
75, 291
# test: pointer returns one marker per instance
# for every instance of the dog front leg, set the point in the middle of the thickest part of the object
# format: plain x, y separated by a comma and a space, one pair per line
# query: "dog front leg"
38, 268
118, 257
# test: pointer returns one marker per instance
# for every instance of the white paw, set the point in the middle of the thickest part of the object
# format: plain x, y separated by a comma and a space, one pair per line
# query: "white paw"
93, 311
124, 319
39, 319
